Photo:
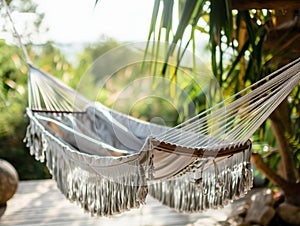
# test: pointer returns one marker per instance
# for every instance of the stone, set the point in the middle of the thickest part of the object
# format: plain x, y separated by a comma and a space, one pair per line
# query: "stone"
261, 216
8, 181
235, 220
264, 197
244, 224
289, 213
261, 210
239, 209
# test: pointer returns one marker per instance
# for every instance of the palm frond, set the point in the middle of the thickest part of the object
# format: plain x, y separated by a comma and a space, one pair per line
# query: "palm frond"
185, 18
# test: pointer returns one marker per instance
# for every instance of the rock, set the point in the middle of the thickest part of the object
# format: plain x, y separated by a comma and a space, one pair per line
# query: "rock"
238, 213
8, 182
264, 197
240, 209
243, 209
244, 224
289, 213
261, 210
234, 221
261, 216
278, 198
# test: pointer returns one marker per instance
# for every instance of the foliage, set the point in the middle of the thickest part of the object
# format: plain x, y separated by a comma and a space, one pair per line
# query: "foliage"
50, 59
13, 72
106, 76
13, 87
121, 77
28, 17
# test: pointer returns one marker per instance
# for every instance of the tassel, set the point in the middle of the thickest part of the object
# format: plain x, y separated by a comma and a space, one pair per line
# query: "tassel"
96, 193
208, 188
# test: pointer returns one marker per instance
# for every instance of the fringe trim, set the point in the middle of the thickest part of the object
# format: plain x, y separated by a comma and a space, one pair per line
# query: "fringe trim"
97, 194
211, 188
103, 191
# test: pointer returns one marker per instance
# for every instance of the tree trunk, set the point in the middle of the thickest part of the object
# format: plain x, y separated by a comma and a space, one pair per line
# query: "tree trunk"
288, 182
281, 124
290, 190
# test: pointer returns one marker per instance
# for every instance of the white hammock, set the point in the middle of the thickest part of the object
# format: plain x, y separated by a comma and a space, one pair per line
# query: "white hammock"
108, 162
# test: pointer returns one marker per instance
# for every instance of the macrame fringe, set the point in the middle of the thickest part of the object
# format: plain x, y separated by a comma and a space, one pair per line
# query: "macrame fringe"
97, 194
198, 188
210, 188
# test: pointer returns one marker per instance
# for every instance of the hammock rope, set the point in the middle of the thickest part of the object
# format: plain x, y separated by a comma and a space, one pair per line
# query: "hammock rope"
20, 43
228, 123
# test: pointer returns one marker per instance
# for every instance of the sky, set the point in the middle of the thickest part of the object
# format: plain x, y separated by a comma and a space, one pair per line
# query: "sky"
72, 21
78, 22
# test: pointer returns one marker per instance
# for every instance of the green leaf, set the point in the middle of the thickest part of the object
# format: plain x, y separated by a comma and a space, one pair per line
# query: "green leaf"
168, 14
185, 18
238, 58
220, 20
151, 30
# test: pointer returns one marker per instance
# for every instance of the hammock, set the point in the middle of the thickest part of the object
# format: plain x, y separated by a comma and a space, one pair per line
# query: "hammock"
108, 161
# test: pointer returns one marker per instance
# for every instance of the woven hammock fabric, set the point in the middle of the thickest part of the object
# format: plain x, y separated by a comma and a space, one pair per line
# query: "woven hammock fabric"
108, 162
104, 184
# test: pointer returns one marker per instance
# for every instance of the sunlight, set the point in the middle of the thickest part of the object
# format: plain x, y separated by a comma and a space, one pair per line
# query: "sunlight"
79, 21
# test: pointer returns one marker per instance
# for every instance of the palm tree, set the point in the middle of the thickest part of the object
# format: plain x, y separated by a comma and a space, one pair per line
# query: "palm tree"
247, 40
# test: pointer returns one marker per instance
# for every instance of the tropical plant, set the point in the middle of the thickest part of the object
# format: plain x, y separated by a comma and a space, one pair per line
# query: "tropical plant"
245, 44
